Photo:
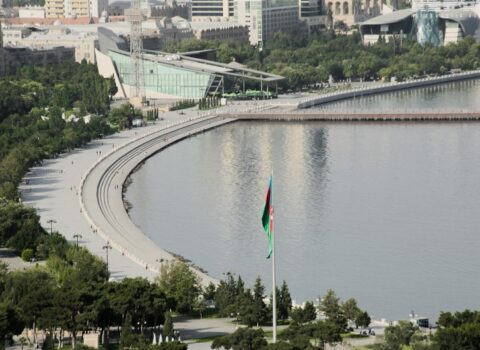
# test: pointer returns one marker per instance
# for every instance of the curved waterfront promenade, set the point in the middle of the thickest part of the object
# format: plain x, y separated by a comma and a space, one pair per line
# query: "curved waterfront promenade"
82, 190
100, 192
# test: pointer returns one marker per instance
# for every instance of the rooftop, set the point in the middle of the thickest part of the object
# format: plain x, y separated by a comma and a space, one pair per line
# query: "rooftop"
212, 67
389, 18
61, 34
214, 25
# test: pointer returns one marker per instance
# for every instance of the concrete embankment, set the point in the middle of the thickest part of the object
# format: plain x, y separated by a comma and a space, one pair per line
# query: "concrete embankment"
101, 193
385, 88
356, 117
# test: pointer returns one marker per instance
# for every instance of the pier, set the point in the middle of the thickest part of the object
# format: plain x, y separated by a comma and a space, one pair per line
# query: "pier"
385, 88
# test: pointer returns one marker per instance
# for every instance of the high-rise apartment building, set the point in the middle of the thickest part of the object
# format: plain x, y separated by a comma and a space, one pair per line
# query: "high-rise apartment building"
310, 8
54, 8
75, 8
266, 17
212, 9
311, 13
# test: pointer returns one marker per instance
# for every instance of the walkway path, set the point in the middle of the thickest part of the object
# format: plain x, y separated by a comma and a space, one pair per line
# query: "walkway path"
53, 189
14, 262
92, 205
101, 193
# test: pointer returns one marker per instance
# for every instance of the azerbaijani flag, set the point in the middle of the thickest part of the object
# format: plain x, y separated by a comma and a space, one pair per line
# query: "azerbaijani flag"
267, 218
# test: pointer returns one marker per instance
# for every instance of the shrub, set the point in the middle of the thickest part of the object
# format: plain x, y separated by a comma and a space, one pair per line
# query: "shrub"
27, 254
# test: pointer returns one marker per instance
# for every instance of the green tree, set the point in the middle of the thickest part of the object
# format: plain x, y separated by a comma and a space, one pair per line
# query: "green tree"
127, 338
284, 302
250, 311
168, 330
330, 306
175, 345
209, 292
200, 305
27, 254
227, 294
11, 322
298, 335
31, 291
121, 118
350, 309
310, 313
363, 319
326, 332
306, 314
144, 301
399, 335
259, 311
19, 226
112, 86
242, 339
180, 285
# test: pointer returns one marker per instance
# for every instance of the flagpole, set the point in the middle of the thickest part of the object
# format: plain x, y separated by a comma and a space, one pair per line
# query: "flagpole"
274, 284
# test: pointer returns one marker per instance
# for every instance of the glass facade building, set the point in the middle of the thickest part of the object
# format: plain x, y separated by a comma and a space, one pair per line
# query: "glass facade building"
167, 75
164, 79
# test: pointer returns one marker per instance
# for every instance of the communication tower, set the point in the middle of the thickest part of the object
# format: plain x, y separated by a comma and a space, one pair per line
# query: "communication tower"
135, 17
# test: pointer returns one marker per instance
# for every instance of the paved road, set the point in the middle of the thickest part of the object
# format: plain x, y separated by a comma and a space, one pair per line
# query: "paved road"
14, 262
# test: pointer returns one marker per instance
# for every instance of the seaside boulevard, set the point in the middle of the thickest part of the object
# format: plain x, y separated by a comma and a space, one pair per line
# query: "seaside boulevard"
98, 213
54, 189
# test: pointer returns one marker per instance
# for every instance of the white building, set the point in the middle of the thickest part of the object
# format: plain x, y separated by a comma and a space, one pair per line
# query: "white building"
212, 9
221, 31
13, 36
75, 8
31, 12
264, 18
83, 43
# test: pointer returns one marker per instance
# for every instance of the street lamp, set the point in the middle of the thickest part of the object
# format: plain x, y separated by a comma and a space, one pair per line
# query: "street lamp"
141, 325
51, 222
106, 247
77, 237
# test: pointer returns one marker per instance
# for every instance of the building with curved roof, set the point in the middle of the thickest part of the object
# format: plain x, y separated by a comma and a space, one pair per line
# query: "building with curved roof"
428, 22
175, 76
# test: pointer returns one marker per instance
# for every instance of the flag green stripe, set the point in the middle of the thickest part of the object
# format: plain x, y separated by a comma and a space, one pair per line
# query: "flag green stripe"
266, 219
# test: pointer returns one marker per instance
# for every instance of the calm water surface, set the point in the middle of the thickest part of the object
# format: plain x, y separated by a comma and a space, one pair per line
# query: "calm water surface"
386, 213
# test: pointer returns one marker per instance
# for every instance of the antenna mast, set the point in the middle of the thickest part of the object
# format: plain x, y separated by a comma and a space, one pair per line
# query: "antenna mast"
135, 17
